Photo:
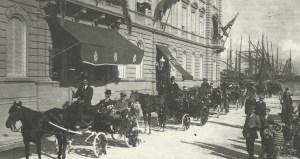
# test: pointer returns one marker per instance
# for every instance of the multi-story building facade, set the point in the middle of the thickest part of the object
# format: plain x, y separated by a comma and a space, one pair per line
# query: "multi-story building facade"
35, 62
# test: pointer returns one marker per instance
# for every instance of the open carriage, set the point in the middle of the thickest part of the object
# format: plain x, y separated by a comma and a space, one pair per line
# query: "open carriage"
63, 123
121, 122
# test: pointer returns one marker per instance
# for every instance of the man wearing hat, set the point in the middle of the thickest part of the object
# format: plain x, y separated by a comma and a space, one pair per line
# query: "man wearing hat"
173, 88
260, 110
205, 83
287, 115
106, 104
122, 103
84, 93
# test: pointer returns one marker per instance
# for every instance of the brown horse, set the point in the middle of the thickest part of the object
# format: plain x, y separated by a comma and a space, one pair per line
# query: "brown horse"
149, 104
35, 126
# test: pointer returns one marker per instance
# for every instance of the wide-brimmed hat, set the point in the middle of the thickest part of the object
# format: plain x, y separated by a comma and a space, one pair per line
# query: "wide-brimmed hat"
108, 91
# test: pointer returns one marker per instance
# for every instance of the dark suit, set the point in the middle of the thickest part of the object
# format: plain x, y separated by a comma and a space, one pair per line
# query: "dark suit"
260, 110
250, 105
85, 94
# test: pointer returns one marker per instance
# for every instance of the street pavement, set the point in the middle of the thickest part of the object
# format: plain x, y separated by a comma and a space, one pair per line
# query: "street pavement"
220, 138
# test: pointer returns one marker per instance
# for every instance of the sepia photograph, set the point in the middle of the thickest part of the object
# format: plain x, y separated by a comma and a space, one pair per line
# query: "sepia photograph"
149, 79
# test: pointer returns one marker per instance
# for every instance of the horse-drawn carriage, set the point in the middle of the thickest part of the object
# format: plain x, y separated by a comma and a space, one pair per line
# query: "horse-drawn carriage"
189, 104
63, 123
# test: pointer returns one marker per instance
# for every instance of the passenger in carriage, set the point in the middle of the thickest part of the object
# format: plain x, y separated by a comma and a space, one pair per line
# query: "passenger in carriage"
106, 105
122, 103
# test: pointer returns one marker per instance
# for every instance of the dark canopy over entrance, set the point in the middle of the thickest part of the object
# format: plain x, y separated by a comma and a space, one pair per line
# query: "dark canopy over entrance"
165, 51
100, 46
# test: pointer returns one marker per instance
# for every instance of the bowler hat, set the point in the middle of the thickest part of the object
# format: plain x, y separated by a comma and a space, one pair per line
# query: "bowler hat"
108, 91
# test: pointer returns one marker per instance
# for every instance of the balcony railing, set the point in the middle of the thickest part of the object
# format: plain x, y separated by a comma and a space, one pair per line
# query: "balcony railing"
148, 21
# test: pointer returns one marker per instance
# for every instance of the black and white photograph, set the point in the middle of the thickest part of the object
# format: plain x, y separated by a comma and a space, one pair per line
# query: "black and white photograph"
149, 79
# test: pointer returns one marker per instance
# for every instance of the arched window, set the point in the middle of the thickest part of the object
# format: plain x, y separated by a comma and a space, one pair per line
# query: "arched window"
140, 68
16, 48
184, 60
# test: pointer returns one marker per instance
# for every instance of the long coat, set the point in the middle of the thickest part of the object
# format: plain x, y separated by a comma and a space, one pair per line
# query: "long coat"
85, 94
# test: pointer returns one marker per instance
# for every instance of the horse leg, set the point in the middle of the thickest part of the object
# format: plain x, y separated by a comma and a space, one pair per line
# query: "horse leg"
145, 121
38, 148
149, 122
59, 142
27, 148
64, 146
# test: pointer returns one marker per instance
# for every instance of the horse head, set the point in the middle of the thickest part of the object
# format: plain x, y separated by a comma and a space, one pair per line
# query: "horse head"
15, 114
134, 96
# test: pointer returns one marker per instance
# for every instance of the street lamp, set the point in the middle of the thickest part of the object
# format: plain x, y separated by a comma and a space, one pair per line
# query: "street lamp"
161, 63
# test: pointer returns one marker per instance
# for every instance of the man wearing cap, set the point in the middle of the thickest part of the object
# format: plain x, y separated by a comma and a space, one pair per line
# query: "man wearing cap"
106, 104
260, 110
84, 93
249, 130
122, 103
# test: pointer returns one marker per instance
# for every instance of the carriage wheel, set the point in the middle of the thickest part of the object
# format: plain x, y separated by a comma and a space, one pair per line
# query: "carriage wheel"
186, 121
99, 144
204, 116
127, 141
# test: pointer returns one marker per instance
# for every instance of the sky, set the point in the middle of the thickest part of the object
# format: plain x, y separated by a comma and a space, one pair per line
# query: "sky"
279, 20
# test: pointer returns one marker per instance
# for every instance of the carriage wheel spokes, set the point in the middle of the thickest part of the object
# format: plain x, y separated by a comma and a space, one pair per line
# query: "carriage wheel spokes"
186, 121
99, 144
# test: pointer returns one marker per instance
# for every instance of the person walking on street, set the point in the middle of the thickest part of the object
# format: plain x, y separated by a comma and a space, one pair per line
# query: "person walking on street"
260, 110
268, 145
287, 116
252, 123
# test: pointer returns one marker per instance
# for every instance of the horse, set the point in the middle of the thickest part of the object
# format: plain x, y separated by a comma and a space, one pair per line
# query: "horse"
35, 126
149, 104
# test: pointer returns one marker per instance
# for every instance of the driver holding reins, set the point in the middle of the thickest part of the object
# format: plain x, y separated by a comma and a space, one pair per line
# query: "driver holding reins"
84, 93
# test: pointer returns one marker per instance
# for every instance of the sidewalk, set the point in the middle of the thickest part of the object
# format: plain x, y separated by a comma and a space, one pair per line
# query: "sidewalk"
10, 140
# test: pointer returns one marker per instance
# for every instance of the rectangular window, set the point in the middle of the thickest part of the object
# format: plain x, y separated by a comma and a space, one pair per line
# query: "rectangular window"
193, 66
214, 71
201, 67
184, 61
201, 25
184, 17
122, 71
174, 18
193, 21
140, 70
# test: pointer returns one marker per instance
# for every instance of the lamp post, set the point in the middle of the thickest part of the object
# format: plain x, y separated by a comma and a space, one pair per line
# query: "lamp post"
160, 66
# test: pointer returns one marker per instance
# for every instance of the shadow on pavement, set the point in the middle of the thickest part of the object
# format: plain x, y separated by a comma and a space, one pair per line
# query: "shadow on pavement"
219, 151
225, 124
48, 149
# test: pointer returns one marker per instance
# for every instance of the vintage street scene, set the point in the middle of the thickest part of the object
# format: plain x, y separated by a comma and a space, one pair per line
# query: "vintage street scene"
132, 79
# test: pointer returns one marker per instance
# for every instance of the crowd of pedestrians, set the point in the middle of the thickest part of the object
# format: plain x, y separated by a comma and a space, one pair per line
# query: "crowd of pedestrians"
275, 135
